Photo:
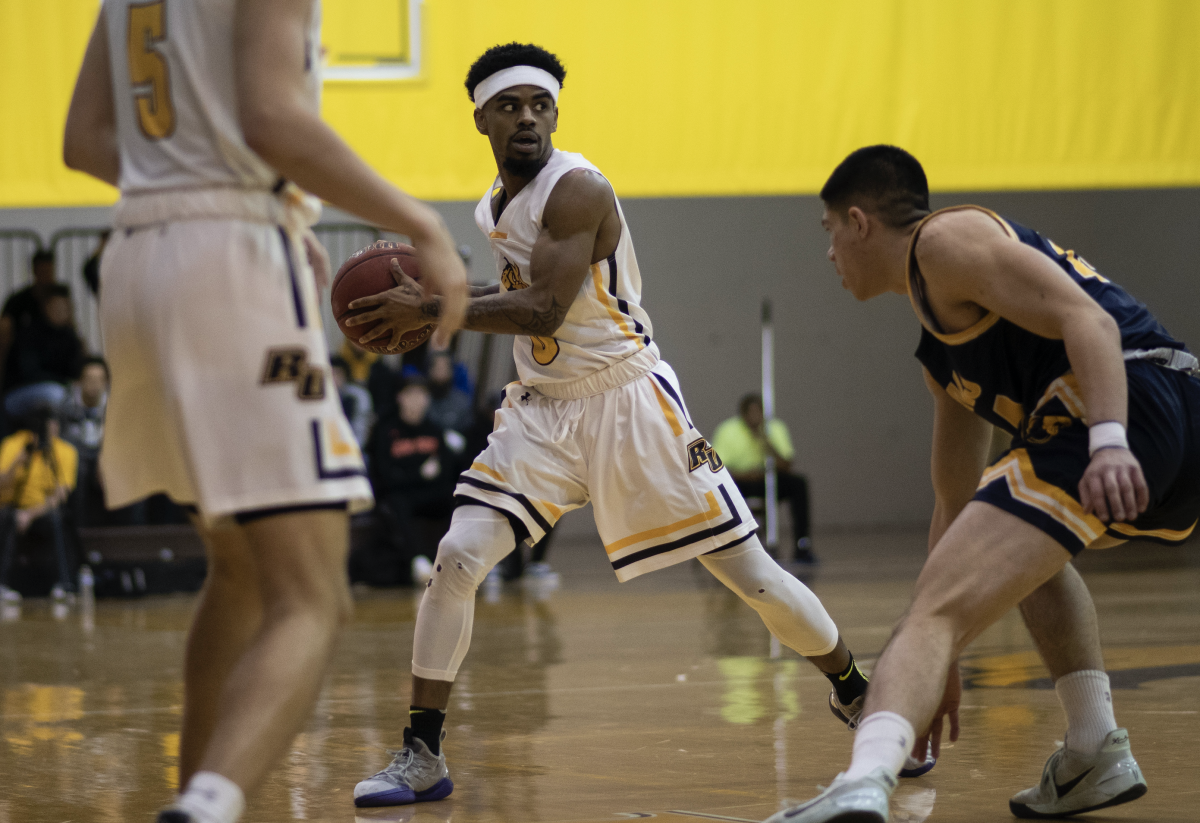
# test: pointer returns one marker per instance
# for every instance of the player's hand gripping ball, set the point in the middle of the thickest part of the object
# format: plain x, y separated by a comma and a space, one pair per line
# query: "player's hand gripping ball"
368, 272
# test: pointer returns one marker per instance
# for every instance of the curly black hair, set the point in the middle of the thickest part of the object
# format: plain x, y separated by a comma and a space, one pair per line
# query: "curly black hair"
884, 179
498, 58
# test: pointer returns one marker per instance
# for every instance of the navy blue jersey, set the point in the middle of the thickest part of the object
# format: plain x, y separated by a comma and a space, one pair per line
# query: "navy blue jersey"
1003, 372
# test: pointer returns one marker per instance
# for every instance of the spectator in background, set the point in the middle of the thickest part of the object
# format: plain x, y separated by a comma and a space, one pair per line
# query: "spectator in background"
37, 472
24, 306
449, 407
373, 372
743, 443
46, 355
414, 464
356, 400
82, 420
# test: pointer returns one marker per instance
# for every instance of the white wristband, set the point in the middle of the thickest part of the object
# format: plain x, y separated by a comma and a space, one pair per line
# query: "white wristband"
1107, 435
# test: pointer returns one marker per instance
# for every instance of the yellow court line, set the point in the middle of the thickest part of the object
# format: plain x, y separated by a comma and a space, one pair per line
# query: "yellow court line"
714, 510
602, 296
489, 471
667, 411
1162, 534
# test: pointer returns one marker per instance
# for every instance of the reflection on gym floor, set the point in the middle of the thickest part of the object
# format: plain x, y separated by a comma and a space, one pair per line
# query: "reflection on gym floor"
662, 697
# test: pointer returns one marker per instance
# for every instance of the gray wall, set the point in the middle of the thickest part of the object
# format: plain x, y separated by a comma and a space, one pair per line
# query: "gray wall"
848, 385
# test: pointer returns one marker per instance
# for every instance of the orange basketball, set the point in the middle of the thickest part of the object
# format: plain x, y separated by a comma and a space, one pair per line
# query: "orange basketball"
368, 272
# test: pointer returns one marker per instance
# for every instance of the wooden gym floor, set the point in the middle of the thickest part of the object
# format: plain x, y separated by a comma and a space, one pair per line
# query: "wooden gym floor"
657, 698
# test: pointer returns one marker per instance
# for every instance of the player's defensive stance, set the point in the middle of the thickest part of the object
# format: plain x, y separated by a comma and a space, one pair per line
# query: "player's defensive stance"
1104, 409
596, 416
221, 394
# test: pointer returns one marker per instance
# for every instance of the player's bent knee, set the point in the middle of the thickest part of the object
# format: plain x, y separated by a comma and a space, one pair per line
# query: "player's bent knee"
456, 570
477, 540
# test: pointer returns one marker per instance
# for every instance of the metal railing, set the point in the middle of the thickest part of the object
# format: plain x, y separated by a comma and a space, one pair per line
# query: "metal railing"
72, 248
17, 247
486, 357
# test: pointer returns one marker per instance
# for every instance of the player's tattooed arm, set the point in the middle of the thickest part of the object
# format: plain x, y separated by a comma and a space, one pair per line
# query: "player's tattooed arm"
503, 317
580, 226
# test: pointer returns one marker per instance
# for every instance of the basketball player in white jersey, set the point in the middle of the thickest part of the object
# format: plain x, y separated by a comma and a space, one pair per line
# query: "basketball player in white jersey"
200, 111
595, 416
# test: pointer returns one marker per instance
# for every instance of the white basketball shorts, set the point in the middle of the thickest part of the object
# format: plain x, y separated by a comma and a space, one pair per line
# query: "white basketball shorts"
660, 493
221, 393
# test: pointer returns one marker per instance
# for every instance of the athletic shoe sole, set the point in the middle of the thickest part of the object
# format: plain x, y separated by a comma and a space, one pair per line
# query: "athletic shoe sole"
924, 768
1025, 812
837, 713
405, 796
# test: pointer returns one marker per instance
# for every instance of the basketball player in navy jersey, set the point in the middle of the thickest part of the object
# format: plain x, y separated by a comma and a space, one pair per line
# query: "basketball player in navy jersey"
200, 112
596, 415
1104, 409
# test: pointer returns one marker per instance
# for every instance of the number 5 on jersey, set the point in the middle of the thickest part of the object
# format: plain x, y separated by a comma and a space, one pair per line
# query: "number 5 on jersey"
148, 71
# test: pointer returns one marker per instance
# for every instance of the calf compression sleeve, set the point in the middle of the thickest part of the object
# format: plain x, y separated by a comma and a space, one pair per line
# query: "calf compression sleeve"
788, 608
478, 539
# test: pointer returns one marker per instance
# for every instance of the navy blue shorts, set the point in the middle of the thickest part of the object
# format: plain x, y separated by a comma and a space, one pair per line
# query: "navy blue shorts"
1037, 479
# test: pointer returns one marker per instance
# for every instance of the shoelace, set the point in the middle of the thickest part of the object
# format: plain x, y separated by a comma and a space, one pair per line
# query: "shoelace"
401, 760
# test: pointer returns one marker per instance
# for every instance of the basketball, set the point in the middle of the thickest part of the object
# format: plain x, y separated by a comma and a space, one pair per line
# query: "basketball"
367, 272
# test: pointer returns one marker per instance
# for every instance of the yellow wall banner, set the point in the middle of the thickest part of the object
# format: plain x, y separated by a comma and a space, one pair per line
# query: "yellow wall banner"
711, 97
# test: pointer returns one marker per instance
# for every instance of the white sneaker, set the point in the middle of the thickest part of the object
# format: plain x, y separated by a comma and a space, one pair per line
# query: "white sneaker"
864, 800
415, 775
850, 713
8, 595
1108, 778
422, 571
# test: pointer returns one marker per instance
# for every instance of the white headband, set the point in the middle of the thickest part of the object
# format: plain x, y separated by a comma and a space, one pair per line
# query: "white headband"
490, 86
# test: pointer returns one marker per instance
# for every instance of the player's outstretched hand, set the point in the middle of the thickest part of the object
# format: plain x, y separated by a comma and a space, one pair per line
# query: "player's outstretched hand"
951, 699
402, 309
1113, 487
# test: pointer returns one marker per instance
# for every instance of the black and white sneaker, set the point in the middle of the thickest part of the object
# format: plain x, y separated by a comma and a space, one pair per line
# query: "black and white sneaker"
1108, 778
864, 800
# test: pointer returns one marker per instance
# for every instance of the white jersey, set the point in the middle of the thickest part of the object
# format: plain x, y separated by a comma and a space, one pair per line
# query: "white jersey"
175, 95
605, 324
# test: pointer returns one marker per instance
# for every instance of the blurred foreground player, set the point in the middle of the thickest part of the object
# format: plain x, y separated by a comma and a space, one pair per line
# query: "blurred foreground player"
220, 394
1104, 409
595, 416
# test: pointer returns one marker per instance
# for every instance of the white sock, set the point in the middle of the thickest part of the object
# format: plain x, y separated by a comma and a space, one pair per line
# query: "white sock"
211, 798
883, 739
1087, 699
